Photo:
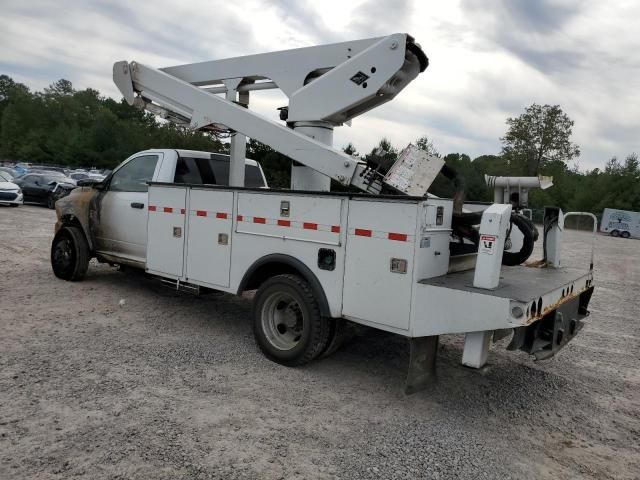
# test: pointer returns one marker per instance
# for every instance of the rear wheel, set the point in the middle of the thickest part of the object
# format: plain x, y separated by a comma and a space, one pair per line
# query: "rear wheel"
70, 254
287, 324
625, 234
51, 203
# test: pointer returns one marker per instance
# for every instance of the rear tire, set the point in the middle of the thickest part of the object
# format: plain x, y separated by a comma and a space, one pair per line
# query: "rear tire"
341, 331
70, 254
287, 324
625, 234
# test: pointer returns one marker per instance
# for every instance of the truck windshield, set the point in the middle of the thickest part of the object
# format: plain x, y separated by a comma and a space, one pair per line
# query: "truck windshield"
214, 171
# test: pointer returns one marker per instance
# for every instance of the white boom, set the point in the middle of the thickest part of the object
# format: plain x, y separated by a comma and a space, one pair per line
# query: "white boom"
326, 86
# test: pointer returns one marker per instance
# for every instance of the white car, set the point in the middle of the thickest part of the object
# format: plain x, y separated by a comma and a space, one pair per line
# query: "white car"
10, 193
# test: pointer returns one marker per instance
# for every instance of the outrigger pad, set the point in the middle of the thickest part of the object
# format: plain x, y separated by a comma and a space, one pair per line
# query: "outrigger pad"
422, 363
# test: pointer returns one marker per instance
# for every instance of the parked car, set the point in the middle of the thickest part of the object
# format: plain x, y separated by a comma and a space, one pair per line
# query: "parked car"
21, 168
45, 189
62, 177
47, 168
10, 171
10, 193
79, 175
96, 176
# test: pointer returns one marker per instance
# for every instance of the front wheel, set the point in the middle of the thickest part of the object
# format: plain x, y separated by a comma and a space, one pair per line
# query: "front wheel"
51, 202
287, 324
615, 233
70, 254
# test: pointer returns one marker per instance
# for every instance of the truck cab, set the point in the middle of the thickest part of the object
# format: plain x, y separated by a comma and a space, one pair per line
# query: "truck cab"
113, 213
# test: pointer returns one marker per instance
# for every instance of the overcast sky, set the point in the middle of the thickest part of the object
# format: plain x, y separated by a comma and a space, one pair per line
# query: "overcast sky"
488, 59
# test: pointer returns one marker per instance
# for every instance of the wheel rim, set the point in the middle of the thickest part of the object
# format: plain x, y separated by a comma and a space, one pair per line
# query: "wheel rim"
282, 320
63, 255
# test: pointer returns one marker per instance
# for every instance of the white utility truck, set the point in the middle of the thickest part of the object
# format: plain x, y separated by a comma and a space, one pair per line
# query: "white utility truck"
620, 223
392, 257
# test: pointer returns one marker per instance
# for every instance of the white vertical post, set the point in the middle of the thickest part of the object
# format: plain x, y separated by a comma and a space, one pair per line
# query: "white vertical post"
553, 239
238, 148
493, 230
476, 348
305, 178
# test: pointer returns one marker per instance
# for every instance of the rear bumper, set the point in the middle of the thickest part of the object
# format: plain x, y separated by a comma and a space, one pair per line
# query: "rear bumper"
544, 337
525, 296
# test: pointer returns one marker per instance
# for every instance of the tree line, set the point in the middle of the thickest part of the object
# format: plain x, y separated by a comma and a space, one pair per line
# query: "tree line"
64, 126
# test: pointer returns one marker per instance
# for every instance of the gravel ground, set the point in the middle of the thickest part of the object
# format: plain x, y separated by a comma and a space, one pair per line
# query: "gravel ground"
168, 385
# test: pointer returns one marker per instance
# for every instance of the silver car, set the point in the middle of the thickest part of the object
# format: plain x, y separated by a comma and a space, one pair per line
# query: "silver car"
10, 193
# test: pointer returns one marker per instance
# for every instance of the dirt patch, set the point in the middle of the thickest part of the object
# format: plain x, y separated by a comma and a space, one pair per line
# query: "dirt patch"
117, 377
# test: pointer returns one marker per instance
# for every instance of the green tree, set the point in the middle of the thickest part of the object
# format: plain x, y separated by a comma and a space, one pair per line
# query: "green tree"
350, 149
384, 155
59, 88
277, 167
542, 134
423, 143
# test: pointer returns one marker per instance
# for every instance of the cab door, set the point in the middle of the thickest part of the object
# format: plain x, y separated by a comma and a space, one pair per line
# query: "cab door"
123, 217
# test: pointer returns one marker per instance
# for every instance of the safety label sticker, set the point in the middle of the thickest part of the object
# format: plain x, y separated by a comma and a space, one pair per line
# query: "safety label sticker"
487, 244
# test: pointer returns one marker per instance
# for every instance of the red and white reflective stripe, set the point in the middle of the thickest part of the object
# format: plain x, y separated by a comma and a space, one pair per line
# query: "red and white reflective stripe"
364, 232
207, 213
400, 237
290, 224
155, 208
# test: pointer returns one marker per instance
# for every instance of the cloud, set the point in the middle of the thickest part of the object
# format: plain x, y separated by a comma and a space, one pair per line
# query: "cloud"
487, 61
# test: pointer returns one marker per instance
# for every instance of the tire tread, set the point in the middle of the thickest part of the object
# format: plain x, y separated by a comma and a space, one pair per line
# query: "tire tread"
81, 250
319, 335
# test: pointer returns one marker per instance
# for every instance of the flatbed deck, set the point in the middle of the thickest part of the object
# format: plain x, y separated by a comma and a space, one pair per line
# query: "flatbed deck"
520, 283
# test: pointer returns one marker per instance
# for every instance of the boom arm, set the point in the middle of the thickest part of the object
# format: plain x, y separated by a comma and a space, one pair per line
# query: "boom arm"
326, 85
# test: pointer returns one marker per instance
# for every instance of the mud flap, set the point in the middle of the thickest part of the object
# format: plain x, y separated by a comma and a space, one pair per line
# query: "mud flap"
422, 363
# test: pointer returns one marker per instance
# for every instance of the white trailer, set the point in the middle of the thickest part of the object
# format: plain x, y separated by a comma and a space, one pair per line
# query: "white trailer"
317, 258
620, 223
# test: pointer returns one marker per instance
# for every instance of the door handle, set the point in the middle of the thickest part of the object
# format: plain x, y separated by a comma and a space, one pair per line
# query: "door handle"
137, 205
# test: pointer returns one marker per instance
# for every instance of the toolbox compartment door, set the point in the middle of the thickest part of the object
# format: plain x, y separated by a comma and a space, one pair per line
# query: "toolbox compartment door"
379, 262
165, 231
210, 220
